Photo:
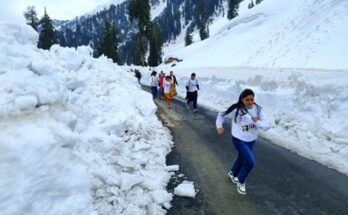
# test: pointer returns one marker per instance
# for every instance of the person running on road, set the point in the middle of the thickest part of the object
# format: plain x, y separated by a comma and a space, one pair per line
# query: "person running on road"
247, 118
154, 83
161, 77
168, 88
172, 76
192, 88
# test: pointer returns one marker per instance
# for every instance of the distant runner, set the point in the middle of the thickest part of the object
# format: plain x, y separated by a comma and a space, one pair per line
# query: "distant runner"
192, 88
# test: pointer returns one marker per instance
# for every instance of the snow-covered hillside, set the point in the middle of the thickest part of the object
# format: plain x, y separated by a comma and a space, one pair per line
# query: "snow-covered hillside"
105, 5
77, 134
155, 9
293, 54
275, 34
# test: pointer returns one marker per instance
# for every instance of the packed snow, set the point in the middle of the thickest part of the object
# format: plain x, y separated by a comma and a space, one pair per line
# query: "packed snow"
294, 56
77, 134
186, 189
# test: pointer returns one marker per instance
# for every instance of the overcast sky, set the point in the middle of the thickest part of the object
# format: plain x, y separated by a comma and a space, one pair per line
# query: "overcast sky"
56, 9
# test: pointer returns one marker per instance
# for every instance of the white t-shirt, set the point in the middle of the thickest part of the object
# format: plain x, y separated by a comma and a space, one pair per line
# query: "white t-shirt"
166, 85
192, 85
244, 128
154, 81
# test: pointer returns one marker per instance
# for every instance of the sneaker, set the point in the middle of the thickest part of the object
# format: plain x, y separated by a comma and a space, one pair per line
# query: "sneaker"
233, 179
195, 111
187, 106
241, 188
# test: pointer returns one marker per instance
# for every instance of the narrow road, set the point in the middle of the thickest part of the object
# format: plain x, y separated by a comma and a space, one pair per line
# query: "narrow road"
281, 182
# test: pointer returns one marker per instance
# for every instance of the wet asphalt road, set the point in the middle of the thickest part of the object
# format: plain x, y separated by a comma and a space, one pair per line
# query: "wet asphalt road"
281, 182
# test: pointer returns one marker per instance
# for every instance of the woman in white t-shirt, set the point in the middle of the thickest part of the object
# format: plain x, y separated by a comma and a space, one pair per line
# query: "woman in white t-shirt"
247, 117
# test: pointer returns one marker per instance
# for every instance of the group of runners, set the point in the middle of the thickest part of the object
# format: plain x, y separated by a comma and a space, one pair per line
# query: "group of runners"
247, 117
166, 85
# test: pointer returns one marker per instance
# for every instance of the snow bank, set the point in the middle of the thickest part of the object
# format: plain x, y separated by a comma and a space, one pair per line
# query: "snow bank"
78, 135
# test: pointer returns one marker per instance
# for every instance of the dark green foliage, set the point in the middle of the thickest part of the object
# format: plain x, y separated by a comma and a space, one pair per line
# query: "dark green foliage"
138, 51
170, 21
258, 1
202, 19
47, 36
233, 6
188, 11
109, 41
139, 10
204, 32
31, 17
155, 39
188, 37
251, 4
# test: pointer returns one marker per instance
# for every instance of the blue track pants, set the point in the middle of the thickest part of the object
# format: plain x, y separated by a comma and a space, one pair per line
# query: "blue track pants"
245, 161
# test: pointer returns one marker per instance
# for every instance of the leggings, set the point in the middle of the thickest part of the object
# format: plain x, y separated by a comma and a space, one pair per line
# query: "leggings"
192, 97
245, 160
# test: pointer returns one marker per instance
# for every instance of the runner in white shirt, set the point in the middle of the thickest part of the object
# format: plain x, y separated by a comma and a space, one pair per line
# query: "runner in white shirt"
247, 117
192, 88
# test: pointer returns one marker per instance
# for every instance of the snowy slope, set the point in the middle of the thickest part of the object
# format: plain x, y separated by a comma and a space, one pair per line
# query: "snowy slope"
105, 5
276, 34
155, 9
294, 56
77, 134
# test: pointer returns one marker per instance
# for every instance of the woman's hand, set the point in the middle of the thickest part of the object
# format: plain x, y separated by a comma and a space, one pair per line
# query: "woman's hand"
254, 119
220, 130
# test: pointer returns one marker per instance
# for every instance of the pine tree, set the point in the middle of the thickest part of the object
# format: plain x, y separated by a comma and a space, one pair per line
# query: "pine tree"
47, 37
139, 10
188, 37
155, 53
138, 51
233, 6
109, 41
31, 17
202, 19
251, 4
203, 31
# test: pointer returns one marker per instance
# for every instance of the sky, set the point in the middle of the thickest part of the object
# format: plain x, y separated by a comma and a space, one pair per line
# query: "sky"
62, 9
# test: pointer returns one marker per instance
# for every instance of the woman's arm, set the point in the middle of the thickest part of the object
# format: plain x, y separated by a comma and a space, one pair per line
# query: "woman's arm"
220, 121
263, 122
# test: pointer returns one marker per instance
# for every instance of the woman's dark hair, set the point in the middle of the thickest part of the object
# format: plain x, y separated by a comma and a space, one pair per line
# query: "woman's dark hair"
153, 73
239, 105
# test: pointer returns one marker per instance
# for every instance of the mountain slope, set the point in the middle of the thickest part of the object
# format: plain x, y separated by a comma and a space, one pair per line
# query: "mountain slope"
277, 34
172, 17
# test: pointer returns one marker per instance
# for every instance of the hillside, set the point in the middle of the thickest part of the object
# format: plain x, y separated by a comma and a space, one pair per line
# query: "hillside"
274, 34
